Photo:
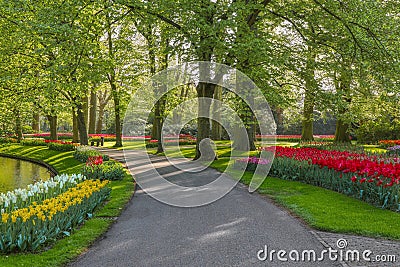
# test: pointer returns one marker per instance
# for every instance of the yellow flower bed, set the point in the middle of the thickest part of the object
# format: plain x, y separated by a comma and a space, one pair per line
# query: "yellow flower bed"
26, 228
49, 207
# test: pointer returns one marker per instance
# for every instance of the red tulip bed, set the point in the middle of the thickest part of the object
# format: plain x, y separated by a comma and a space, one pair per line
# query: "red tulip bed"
293, 137
374, 178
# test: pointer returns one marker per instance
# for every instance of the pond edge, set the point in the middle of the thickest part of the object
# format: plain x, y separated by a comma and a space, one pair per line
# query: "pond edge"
52, 170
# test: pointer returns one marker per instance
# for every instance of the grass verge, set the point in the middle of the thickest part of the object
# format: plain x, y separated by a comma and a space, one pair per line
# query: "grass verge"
68, 248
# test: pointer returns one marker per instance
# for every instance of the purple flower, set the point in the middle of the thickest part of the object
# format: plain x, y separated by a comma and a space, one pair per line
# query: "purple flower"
394, 148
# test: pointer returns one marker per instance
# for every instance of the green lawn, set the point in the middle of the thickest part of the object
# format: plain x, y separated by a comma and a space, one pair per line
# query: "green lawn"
68, 248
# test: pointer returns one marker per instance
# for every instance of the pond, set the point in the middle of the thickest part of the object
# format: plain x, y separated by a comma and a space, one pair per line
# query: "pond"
15, 173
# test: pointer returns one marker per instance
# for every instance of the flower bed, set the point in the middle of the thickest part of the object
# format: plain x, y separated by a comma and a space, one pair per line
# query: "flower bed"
60, 145
57, 145
37, 192
388, 143
250, 163
372, 178
60, 136
95, 168
83, 153
293, 137
5, 140
394, 150
27, 228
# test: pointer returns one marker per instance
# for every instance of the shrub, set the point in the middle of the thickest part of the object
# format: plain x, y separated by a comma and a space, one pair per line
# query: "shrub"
82, 153
33, 142
4, 140
109, 170
61, 147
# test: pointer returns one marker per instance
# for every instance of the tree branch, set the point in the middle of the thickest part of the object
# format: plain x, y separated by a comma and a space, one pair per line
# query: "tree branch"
165, 19
291, 22
342, 21
251, 20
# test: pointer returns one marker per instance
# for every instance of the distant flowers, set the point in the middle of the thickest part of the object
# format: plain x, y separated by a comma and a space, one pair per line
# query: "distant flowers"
255, 160
387, 143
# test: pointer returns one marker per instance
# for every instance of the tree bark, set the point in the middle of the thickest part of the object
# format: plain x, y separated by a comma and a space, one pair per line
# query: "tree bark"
342, 127
249, 121
341, 134
158, 122
36, 122
216, 129
103, 98
85, 109
311, 85
75, 130
307, 129
18, 125
99, 124
53, 126
205, 90
118, 124
83, 136
279, 120
114, 90
92, 111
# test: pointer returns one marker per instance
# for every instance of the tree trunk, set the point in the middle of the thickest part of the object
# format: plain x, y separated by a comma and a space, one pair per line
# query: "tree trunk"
279, 120
205, 90
158, 122
216, 128
18, 125
307, 130
53, 126
114, 90
83, 137
249, 121
118, 125
341, 133
308, 117
92, 111
103, 98
75, 130
85, 110
36, 122
99, 125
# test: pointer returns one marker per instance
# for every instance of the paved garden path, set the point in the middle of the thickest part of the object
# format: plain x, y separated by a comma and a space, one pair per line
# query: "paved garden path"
228, 232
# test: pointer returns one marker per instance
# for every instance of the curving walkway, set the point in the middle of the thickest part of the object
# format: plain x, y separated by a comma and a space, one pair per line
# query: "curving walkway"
228, 232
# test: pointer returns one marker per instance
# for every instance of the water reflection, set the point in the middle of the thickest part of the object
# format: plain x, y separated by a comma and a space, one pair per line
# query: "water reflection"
16, 173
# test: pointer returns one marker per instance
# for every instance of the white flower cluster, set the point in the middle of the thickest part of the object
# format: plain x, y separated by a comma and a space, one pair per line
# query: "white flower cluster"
38, 191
